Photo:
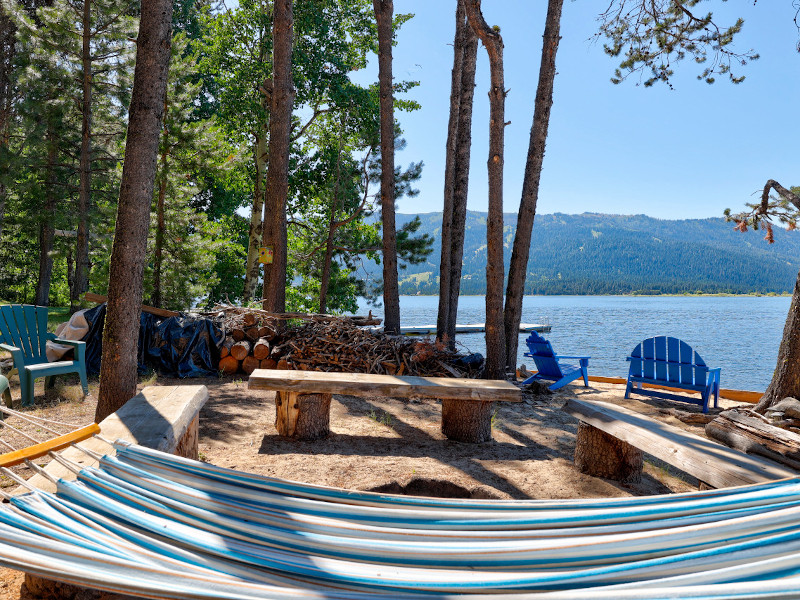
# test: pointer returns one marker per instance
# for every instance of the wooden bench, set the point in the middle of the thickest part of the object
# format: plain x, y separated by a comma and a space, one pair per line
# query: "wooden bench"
668, 361
302, 402
611, 439
162, 417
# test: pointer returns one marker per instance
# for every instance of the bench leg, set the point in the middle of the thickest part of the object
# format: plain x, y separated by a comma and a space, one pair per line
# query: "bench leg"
602, 455
467, 420
303, 416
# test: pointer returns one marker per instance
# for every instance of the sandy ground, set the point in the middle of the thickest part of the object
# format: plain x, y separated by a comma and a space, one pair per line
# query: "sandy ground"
396, 446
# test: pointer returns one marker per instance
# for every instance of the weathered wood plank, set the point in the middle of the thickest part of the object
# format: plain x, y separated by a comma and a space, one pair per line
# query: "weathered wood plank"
364, 384
158, 417
714, 464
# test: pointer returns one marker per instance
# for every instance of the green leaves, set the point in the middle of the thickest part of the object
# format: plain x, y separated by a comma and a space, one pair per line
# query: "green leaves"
653, 36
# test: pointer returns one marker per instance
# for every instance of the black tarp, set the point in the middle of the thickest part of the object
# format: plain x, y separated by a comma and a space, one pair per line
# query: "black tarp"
181, 346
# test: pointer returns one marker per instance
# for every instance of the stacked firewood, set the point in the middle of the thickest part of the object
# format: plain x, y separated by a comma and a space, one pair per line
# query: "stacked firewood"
336, 344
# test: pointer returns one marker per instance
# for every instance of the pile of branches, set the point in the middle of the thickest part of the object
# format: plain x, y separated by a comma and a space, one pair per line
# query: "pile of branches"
259, 339
340, 346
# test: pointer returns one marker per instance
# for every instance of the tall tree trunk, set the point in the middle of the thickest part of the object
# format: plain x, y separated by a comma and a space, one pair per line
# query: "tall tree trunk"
85, 186
786, 377
280, 124
384, 11
495, 333
333, 225
449, 176
47, 225
461, 177
7, 52
253, 267
121, 332
518, 268
161, 222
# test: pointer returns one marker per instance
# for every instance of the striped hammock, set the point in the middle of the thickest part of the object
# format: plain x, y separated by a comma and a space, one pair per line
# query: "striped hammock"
155, 525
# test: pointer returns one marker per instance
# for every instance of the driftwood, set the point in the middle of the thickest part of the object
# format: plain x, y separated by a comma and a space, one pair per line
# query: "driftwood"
750, 432
690, 418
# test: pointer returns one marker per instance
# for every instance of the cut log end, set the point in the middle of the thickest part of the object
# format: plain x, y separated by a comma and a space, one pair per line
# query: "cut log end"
229, 365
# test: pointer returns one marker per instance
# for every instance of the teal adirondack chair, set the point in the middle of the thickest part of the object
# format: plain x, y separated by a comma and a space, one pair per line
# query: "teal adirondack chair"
550, 366
23, 333
5, 393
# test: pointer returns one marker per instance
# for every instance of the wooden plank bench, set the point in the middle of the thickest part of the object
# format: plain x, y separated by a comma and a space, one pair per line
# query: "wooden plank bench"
611, 439
302, 402
670, 362
162, 417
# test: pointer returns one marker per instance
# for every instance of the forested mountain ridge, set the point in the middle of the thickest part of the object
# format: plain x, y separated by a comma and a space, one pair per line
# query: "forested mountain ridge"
622, 254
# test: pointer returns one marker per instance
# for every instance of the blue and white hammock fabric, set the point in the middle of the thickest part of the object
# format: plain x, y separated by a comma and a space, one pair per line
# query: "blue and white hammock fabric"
155, 525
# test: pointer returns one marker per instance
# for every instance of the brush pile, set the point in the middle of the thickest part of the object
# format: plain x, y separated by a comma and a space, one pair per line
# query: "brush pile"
258, 339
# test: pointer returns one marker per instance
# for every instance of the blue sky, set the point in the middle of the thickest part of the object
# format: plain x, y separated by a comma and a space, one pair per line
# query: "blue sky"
689, 152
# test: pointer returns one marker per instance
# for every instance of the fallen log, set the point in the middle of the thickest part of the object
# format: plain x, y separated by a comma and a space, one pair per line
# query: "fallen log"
225, 350
749, 432
160, 312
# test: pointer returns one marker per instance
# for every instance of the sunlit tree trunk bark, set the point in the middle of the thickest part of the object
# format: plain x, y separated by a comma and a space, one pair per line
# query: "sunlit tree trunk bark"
85, 185
121, 332
459, 140
384, 11
280, 124
461, 177
253, 267
47, 226
7, 52
161, 221
495, 333
518, 269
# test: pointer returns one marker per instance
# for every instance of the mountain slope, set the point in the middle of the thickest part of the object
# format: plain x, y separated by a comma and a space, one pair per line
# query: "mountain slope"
621, 254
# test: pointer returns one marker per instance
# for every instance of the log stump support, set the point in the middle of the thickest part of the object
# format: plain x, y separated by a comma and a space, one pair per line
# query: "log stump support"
467, 421
602, 455
303, 416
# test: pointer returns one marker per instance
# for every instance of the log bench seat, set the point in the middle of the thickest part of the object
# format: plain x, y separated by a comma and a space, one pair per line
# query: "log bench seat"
303, 399
611, 440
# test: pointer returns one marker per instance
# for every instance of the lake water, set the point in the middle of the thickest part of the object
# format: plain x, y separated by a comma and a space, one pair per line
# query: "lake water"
740, 334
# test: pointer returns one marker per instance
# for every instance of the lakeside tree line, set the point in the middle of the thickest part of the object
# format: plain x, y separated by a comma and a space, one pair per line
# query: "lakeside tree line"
66, 78
225, 109
615, 254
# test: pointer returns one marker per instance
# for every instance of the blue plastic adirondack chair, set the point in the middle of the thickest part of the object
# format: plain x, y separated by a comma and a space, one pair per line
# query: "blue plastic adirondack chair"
23, 333
668, 361
550, 367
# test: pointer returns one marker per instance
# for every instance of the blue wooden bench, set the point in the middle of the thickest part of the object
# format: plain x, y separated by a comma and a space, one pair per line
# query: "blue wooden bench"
549, 366
23, 333
668, 361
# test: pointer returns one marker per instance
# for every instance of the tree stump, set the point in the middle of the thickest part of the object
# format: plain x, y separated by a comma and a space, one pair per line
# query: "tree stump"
467, 421
603, 455
303, 416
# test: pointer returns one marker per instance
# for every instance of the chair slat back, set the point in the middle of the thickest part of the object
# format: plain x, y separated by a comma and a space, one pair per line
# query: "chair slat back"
668, 359
25, 327
542, 353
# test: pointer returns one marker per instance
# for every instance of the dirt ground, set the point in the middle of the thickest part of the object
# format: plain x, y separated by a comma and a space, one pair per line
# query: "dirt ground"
396, 446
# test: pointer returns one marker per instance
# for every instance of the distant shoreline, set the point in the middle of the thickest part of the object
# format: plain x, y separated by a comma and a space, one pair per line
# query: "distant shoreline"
637, 295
